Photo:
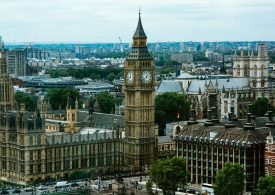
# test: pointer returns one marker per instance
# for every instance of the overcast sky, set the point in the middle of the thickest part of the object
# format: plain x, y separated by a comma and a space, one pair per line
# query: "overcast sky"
163, 20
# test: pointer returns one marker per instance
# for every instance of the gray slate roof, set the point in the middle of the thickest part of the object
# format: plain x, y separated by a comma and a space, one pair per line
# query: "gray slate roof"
186, 75
101, 120
219, 133
170, 86
165, 139
227, 83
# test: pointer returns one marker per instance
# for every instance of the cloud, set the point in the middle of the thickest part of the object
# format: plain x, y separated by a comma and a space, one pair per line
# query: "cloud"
106, 20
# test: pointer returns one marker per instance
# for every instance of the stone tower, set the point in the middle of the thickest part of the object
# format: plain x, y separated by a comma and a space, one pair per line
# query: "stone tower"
139, 78
6, 91
71, 110
259, 72
255, 68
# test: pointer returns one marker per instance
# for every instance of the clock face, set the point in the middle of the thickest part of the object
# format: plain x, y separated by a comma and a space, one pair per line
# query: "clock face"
130, 77
146, 77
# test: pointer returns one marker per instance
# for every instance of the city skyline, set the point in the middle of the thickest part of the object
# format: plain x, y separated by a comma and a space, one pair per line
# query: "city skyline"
105, 21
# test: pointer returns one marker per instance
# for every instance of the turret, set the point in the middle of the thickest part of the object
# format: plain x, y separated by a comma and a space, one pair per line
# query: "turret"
252, 53
6, 94
262, 50
242, 54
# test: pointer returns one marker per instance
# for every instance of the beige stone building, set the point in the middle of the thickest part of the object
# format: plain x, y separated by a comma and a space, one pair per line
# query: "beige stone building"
140, 131
51, 144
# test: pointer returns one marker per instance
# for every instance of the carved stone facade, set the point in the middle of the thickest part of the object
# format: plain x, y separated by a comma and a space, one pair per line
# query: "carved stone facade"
139, 76
249, 82
50, 144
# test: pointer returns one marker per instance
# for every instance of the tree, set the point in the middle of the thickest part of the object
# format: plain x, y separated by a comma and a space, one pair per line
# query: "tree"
161, 121
149, 186
106, 102
260, 106
230, 180
29, 100
171, 107
58, 97
93, 72
169, 174
266, 185
110, 76
95, 76
78, 175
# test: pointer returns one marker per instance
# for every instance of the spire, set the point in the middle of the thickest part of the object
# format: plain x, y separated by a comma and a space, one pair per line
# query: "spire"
139, 31
199, 91
241, 52
216, 84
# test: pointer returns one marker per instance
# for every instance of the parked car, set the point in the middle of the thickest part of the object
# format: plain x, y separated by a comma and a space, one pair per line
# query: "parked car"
4, 192
16, 191
28, 189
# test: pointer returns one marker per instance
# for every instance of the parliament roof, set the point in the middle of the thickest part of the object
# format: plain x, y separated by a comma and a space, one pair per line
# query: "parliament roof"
170, 86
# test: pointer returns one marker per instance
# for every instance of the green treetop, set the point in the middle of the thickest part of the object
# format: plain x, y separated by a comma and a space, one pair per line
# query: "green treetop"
169, 174
230, 180
266, 185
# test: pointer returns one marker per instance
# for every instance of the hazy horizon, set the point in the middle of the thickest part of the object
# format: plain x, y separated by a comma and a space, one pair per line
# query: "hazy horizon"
104, 21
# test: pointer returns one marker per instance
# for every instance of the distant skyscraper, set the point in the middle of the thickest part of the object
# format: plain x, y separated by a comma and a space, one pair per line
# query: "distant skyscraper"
1, 44
16, 62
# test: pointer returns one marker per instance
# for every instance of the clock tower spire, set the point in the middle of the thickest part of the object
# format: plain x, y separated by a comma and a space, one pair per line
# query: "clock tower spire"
139, 77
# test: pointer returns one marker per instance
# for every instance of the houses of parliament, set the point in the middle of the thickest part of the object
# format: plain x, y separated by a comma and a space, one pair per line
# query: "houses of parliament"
47, 144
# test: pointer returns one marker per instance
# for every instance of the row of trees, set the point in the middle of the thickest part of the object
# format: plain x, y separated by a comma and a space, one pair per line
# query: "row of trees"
94, 73
171, 173
168, 106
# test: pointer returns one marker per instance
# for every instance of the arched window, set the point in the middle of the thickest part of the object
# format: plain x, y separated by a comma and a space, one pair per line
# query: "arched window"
238, 70
255, 71
262, 70
30, 140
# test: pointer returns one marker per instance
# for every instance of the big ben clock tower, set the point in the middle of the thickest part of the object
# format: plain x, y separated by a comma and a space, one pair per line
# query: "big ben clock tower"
139, 77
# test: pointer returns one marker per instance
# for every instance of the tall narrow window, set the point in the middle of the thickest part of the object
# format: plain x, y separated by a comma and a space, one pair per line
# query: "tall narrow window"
255, 71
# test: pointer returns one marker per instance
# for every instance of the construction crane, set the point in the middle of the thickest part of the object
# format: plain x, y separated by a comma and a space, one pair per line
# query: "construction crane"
121, 48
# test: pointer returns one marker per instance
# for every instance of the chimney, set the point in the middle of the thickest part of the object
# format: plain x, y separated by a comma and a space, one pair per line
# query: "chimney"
231, 118
269, 122
209, 121
22, 107
192, 119
215, 118
248, 125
